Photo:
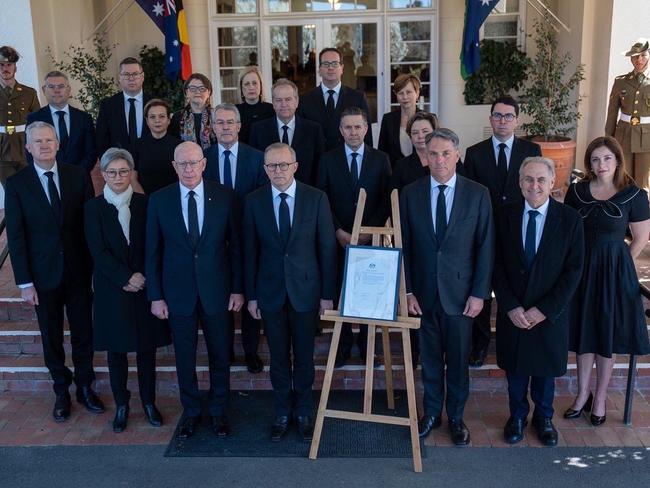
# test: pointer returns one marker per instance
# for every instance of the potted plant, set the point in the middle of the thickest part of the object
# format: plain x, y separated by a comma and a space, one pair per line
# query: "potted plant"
547, 100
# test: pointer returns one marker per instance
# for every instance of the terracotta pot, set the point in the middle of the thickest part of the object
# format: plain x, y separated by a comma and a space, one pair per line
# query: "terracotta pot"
564, 154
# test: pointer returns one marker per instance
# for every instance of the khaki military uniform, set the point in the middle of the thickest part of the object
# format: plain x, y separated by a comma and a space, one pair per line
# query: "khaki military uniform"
14, 108
631, 95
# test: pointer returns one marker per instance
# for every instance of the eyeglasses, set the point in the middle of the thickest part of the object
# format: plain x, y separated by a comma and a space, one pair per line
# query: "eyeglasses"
330, 64
183, 165
112, 173
56, 87
273, 167
130, 76
195, 89
506, 117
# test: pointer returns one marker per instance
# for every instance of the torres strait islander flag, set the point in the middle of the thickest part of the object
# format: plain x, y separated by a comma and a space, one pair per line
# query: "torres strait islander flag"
169, 17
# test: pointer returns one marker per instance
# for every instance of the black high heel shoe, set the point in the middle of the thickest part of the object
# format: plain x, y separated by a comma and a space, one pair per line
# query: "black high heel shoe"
570, 413
597, 420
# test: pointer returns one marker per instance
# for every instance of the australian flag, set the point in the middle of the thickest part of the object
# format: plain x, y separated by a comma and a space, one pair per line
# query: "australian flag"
476, 11
169, 17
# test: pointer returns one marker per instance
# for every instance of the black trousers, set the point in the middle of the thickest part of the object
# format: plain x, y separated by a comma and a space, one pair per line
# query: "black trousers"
250, 332
217, 331
290, 331
118, 373
481, 328
542, 392
49, 311
445, 341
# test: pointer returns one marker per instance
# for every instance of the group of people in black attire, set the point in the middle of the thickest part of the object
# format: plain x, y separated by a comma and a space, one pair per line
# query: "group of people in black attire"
247, 209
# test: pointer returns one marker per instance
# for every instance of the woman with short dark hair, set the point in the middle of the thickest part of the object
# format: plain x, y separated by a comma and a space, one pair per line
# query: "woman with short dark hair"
194, 121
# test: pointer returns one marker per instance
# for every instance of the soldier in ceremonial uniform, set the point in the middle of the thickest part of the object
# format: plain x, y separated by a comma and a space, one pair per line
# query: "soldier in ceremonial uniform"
631, 96
16, 101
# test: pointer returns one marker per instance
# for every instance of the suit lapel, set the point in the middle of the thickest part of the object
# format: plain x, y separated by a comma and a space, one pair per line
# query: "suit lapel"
457, 205
111, 217
297, 213
515, 221
178, 214
515, 155
366, 168
425, 204
550, 227
270, 214
64, 190
239, 167
490, 168
344, 169
209, 213
37, 190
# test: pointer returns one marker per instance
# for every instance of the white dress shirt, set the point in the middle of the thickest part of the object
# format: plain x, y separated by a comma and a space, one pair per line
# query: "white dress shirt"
449, 197
348, 156
291, 201
337, 90
198, 196
139, 111
233, 161
508, 149
290, 131
539, 223
55, 119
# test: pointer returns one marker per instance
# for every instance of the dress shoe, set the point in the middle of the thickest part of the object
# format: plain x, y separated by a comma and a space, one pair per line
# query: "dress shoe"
477, 358
546, 432
153, 415
459, 432
341, 359
188, 427
427, 423
280, 428
254, 364
597, 420
61, 411
305, 427
89, 399
570, 413
220, 426
513, 432
121, 416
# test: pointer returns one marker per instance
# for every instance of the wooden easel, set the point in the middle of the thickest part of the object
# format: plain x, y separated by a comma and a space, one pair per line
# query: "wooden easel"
403, 323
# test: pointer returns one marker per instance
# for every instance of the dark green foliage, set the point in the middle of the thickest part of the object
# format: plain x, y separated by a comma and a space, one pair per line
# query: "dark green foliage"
155, 82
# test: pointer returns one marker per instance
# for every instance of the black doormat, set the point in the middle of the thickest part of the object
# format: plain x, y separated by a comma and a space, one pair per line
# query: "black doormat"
251, 415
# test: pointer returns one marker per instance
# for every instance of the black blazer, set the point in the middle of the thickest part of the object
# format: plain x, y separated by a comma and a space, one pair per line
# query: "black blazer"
336, 181
308, 142
549, 286
181, 275
407, 170
389, 136
312, 107
305, 271
481, 166
461, 265
249, 174
112, 124
80, 148
122, 321
42, 249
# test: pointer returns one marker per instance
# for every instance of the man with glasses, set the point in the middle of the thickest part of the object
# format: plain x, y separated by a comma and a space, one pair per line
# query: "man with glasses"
194, 275
290, 277
325, 103
120, 122
51, 263
239, 167
16, 101
74, 128
495, 163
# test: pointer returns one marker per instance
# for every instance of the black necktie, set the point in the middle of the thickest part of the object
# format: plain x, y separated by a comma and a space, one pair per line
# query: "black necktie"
227, 171
531, 238
133, 125
285, 134
502, 166
354, 169
55, 201
441, 213
192, 219
63, 129
285, 219
330, 101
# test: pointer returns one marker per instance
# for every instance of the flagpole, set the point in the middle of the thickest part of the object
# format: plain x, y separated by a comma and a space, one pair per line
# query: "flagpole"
548, 11
106, 18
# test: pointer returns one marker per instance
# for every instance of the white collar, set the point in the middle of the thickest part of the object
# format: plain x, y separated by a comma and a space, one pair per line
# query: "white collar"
198, 190
40, 171
349, 151
138, 97
291, 191
336, 89
233, 149
508, 142
542, 209
65, 109
450, 184
291, 124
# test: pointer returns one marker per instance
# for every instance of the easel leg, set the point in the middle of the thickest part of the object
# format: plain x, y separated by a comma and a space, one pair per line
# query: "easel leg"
410, 393
370, 368
388, 367
325, 393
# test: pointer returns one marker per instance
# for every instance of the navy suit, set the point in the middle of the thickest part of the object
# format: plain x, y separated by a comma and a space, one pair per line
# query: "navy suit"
288, 284
308, 142
112, 124
196, 283
80, 148
312, 107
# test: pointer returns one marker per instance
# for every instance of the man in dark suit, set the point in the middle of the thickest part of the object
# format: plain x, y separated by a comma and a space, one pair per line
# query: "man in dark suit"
495, 163
448, 240
194, 275
304, 136
120, 122
290, 262
325, 103
539, 259
74, 128
342, 173
240, 167
51, 263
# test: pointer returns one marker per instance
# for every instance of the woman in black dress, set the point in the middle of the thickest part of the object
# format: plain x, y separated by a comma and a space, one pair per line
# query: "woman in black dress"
122, 322
253, 107
394, 139
194, 122
155, 152
608, 312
